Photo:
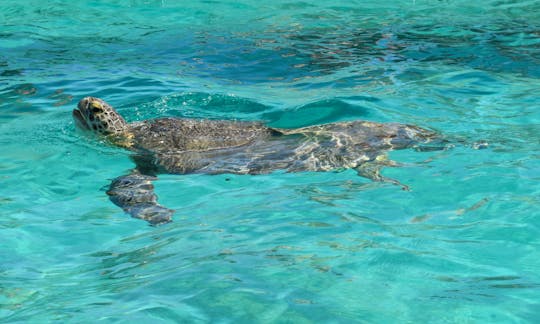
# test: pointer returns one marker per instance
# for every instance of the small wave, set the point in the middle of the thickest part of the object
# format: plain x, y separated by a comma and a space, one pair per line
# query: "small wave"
229, 106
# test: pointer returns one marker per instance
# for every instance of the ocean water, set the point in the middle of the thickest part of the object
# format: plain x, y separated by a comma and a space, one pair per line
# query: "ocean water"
461, 247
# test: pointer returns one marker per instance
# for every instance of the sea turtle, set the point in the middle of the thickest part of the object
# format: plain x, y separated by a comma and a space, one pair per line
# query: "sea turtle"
181, 146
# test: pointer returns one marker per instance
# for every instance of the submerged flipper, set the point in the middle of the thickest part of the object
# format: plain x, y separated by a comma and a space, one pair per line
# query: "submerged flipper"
372, 171
134, 193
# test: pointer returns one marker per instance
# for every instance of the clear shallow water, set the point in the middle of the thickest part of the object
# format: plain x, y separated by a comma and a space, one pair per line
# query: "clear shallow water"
462, 246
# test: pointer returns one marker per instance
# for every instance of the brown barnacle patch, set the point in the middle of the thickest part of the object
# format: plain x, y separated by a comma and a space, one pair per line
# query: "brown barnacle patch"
476, 206
61, 98
420, 219
26, 89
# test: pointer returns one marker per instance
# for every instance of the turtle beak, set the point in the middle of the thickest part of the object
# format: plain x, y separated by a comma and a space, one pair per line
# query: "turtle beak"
78, 114
79, 119
83, 104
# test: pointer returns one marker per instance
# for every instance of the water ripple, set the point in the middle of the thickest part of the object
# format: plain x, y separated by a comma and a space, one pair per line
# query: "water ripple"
461, 246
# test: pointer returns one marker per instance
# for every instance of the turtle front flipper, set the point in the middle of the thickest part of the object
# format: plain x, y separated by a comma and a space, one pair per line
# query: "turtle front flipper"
134, 193
372, 171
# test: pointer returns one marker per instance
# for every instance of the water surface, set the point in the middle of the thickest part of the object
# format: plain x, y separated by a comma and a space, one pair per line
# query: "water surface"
461, 246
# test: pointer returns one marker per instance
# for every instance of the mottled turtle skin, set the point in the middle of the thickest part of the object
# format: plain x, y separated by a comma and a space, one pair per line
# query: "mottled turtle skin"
181, 146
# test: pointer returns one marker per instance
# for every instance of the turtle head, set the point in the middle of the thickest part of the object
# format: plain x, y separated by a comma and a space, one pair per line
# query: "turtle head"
96, 115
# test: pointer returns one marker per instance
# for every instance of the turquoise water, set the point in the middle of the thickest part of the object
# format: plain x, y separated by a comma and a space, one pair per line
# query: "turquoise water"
461, 247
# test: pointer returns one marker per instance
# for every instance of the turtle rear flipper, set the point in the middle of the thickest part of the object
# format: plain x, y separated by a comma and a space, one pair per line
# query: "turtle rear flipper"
134, 193
372, 171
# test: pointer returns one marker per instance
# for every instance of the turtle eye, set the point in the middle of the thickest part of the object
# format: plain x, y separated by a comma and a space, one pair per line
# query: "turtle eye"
96, 107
